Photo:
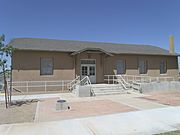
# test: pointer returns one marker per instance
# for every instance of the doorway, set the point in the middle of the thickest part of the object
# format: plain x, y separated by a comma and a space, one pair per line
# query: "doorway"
88, 68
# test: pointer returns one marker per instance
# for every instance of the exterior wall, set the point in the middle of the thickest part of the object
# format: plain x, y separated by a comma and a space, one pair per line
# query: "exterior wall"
26, 66
153, 65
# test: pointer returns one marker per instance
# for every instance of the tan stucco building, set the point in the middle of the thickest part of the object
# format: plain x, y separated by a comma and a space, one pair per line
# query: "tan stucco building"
44, 59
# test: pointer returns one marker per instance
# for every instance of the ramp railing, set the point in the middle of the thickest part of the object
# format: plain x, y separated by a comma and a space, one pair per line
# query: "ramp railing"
117, 79
40, 86
72, 84
84, 81
139, 79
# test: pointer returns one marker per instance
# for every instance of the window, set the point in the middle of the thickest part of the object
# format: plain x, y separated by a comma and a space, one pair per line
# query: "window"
121, 66
143, 66
84, 70
92, 70
46, 66
88, 62
163, 67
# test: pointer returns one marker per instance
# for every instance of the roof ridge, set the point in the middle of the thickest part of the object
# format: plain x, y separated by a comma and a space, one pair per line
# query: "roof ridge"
85, 41
40, 44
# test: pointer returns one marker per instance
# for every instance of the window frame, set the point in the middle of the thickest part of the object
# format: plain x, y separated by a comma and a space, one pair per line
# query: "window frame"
124, 70
164, 67
52, 72
145, 66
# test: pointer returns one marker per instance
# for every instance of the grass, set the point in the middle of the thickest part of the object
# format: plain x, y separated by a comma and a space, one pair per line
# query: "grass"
171, 133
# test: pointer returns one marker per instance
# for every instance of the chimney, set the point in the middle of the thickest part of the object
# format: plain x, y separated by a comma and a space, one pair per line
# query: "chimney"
171, 44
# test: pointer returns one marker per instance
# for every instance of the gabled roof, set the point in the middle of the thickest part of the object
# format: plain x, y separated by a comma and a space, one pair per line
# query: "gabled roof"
91, 49
76, 46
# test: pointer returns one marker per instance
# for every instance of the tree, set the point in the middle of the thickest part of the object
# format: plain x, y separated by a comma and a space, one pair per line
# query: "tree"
5, 52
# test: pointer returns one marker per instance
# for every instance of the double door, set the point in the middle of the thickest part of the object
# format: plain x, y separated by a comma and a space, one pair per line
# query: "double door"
90, 71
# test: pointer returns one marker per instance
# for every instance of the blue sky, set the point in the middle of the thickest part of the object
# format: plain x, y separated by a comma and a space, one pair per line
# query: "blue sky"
117, 21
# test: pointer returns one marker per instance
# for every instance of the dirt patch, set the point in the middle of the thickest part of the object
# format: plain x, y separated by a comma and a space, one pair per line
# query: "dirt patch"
166, 97
20, 111
47, 112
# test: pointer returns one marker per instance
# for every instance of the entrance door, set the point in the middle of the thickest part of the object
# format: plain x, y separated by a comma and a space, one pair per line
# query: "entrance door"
88, 68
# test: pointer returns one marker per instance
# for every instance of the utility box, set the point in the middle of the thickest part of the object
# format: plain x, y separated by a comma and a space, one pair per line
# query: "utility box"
62, 105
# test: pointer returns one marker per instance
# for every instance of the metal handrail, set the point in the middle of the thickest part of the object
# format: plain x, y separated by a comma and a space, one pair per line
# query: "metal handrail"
119, 79
63, 84
135, 78
123, 80
73, 83
87, 82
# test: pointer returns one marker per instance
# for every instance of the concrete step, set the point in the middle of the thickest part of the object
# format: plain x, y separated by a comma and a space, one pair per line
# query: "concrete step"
106, 89
136, 83
110, 89
107, 86
136, 87
109, 93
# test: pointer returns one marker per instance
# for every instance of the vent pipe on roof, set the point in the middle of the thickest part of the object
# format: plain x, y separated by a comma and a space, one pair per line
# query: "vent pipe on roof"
171, 44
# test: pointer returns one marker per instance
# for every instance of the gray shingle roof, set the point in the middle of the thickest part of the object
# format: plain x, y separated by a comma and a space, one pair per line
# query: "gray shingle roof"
73, 46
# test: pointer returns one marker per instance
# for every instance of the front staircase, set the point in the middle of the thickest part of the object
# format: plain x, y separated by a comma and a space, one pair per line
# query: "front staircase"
79, 86
107, 89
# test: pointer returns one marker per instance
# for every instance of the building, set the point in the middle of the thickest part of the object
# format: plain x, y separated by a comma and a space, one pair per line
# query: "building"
45, 60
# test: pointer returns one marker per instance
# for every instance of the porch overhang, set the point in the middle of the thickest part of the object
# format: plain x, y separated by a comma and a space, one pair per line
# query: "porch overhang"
91, 49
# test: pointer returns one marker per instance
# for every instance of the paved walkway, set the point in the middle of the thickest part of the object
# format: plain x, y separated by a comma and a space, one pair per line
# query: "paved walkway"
131, 100
46, 109
35, 96
135, 102
136, 123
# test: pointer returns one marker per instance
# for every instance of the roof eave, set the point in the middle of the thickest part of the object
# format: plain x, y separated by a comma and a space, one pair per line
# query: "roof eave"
92, 49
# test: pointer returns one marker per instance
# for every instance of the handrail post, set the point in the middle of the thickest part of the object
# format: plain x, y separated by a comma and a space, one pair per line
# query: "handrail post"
113, 79
27, 90
62, 87
45, 86
108, 79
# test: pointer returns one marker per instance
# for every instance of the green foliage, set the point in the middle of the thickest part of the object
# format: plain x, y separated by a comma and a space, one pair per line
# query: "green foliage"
7, 73
5, 51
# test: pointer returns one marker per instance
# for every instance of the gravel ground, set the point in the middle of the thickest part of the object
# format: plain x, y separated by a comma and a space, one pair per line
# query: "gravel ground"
19, 112
166, 97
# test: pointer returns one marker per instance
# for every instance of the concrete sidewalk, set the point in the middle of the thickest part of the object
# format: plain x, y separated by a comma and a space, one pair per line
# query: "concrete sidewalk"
136, 102
34, 96
139, 122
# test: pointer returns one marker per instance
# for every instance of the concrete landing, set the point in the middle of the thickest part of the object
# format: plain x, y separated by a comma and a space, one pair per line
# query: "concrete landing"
132, 123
